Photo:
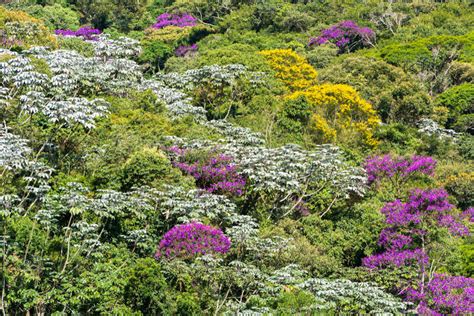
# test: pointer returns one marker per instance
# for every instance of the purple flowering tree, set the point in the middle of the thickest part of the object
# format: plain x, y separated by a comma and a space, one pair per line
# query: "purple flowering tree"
412, 227
85, 32
346, 35
184, 50
443, 295
190, 240
215, 173
398, 170
179, 20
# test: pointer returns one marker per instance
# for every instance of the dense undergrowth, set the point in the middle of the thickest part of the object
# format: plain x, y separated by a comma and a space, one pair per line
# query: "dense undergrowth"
222, 157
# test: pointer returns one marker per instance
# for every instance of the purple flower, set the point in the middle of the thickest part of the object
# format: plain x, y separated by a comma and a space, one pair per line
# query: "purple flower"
444, 294
179, 20
347, 35
85, 32
395, 258
406, 222
215, 174
190, 240
185, 50
398, 168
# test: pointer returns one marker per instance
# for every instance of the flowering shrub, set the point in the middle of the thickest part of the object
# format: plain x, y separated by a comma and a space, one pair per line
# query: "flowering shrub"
179, 20
291, 68
339, 111
398, 169
444, 294
216, 174
184, 50
189, 240
347, 35
411, 229
86, 32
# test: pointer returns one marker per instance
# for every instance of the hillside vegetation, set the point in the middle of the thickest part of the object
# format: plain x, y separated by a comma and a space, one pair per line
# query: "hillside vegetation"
224, 157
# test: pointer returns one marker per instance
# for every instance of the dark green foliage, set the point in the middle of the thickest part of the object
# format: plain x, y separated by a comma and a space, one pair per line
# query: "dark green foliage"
295, 115
155, 54
146, 287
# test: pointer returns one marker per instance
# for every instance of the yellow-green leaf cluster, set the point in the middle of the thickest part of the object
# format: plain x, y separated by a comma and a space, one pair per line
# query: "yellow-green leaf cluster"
340, 114
26, 30
174, 34
291, 68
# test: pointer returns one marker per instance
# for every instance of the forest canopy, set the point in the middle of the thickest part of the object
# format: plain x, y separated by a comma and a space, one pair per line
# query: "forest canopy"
189, 157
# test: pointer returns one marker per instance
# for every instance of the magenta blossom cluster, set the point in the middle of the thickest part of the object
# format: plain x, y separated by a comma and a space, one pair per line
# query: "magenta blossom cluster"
397, 258
468, 214
216, 174
184, 50
407, 221
86, 32
346, 35
179, 20
444, 295
398, 168
425, 206
190, 240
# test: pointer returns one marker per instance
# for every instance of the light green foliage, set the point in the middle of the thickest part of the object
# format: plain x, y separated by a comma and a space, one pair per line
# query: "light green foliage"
321, 56
145, 167
460, 102
395, 94
55, 16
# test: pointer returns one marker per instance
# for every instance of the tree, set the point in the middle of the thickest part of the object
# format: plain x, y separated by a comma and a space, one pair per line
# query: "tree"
339, 113
396, 95
291, 68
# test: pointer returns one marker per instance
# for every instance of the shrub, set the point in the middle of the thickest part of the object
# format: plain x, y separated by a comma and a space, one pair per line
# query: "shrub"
460, 102
178, 20
184, 50
145, 167
398, 169
291, 68
411, 227
346, 35
55, 16
215, 174
339, 113
23, 30
189, 240
395, 95
321, 56
460, 186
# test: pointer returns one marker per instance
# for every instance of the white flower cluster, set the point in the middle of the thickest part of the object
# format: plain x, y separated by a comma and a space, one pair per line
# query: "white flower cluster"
17, 158
55, 98
332, 293
431, 128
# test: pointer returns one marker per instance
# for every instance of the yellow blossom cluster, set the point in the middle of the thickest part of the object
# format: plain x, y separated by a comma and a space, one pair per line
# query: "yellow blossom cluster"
291, 68
340, 114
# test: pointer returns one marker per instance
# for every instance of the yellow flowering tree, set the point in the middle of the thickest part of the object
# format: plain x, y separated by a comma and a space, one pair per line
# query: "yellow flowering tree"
291, 68
339, 113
